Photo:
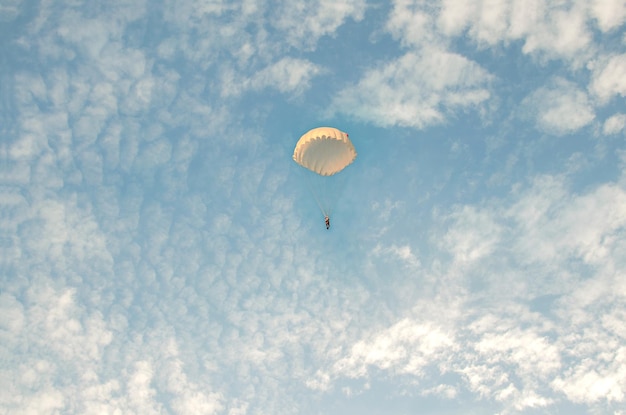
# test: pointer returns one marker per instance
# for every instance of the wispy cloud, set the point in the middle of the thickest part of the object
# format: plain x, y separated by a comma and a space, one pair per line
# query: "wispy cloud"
417, 90
608, 78
614, 124
561, 108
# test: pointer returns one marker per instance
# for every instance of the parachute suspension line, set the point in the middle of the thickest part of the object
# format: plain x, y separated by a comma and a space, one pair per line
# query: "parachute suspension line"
315, 196
329, 197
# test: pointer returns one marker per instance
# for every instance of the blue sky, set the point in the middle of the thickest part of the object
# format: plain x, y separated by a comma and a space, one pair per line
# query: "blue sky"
162, 253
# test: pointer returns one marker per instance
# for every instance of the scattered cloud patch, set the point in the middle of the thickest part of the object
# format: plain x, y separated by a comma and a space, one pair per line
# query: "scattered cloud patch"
609, 78
407, 347
416, 90
561, 108
403, 253
487, 21
555, 224
9, 10
614, 124
287, 76
303, 24
610, 14
473, 234
547, 29
412, 23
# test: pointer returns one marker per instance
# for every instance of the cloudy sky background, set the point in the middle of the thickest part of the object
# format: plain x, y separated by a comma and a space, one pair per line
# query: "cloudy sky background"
162, 254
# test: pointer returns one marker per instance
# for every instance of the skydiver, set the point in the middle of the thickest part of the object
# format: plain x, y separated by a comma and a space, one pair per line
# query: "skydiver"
327, 221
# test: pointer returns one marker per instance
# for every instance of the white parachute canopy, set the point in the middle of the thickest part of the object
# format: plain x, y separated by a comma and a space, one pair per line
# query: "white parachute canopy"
324, 151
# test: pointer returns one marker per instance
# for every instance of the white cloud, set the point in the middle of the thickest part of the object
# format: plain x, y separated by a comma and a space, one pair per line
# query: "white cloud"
9, 10
404, 253
64, 341
610, 14
412, 23
556, 225
386, 208
614, 124
561, 108
473, 235
534, 354
609, 78
491, 356
553, 30
487, 20
407, 347
303, 24
416, 90
564, 33
287, 75
599, 378
443, 391
188, 397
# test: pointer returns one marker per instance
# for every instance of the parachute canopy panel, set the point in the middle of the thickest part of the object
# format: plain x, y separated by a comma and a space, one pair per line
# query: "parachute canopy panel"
324, 150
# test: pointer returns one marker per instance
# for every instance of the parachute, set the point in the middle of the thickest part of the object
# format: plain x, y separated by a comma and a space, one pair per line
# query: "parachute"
324, 151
